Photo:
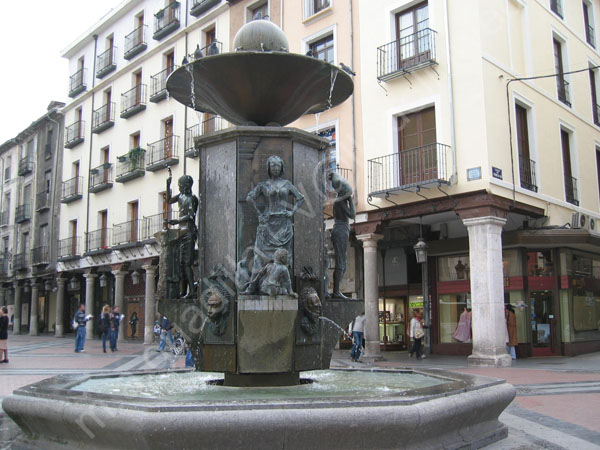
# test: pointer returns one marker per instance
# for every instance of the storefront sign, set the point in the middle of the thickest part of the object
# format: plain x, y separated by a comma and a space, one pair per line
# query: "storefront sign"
497, 173
414, 305
474, 173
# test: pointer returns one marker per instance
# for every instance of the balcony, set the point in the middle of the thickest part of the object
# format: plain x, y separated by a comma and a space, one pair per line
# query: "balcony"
5, 259
71, 190
153, 224
312, 7
101, 178
25, 165
74, 134
199, 7
4, 218
166, 20
69, 248
126, 234
343, 172
20, 262
103, 118
562, 87
406, 55
527, 172
131, 165
215, 123
77, 83
40, 256
162, 153
106, 62
42, 201
97, 242
410, 169
571, 190
23, 213
135, 42
158, 86
133, 101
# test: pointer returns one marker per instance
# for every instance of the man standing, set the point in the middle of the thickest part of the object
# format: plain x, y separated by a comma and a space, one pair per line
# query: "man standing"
79, 324
357, 329
115, 320
166, 331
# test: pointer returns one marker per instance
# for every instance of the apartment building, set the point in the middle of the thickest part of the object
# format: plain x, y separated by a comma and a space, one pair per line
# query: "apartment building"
482, 144
29, 191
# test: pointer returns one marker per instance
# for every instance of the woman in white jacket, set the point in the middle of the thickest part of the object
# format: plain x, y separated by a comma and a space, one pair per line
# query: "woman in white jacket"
416, 333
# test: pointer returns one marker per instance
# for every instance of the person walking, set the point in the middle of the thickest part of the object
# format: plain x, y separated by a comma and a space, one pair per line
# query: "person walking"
133, 320
79, 323
104, 325
166, 332
117, 317
4, 334
511, 328
416, 334
357, 330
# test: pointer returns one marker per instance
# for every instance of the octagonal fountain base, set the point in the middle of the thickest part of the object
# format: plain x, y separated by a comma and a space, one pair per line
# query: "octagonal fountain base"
452, 411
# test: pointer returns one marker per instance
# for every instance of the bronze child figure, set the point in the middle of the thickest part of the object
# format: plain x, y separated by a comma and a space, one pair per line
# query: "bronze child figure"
343, 211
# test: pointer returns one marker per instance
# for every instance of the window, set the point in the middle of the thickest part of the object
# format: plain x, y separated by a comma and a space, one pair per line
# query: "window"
7, 169
598, 167
43, 236
135, 140
133, 220
412, 33
594, 95
526, 164
73, 236
557, 7
261, 8
570, 182
588, 20
49, 141
312, 7
417, 147
103, 219
170, 61
168, 135
562, 85
27, 196
331, 152
323, 49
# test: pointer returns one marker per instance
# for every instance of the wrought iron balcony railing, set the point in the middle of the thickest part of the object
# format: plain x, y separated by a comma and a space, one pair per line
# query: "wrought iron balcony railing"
74, 134
106, 62
410, 168
312, 7
23, 213
72, 190
42, 200
556, 7
199, 7
562, 86
571, 194
98, 241
343, 172
215, 123
25, 165
527, 172
590, 35
162, 153
126, 234
77, 83
103, 118
40, 256
69, 248
166, 20
158, 85
153, 224
4, 218
135, 42
406, 54
20, 261
131, 165
133, 101
214, 48
101, 178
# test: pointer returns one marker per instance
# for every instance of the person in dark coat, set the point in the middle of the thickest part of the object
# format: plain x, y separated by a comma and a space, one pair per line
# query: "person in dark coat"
4, 334
104, 327
133, 320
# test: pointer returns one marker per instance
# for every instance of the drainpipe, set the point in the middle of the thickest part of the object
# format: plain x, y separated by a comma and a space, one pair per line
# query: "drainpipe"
2, 185
87, 216
57, 158
185, 110
281, 2
454, 177
354, 175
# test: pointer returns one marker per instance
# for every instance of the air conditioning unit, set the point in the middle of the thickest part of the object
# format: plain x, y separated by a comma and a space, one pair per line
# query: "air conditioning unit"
576, 218
583, 221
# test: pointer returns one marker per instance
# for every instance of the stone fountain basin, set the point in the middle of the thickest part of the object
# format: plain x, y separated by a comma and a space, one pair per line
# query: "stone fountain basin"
461, 411
259, 88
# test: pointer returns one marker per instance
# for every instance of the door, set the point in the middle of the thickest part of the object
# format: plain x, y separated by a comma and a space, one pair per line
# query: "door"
138, 87
75, 186
73, 238
543, 323
417, 147
413, 36
104, 229
108, 98
140, 30
105, 165
133, 220
168, 127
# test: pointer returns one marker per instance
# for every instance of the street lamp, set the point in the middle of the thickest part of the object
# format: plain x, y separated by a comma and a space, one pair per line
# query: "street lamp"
421, 251
135, 277
421, 256
102, 280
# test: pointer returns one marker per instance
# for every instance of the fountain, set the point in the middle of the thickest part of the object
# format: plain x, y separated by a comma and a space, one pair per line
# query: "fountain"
261, 326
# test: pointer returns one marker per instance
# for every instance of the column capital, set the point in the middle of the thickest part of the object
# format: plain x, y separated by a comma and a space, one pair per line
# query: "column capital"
119, 273
61, 281
369, 239
90, 276
484, 220
149, 268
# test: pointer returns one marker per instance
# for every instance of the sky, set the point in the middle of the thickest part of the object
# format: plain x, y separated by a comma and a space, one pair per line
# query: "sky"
32, 36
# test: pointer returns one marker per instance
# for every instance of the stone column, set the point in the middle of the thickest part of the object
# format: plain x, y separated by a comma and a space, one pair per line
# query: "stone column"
90, 278
33, 316
120, 300
150, 304
371, 281
3, 299
18, 309
59, 328
487, 292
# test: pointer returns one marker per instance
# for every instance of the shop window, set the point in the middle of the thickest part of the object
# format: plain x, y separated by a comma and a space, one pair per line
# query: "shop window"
451, 306
454, 268
540, 264
511, 263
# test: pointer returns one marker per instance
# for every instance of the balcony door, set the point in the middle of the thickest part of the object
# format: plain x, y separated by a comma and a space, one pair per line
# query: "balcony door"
27, 195
133, 221
168, 132
108, 99
411, 33
140, 29
417, 147
104, 229
73, 237
105, 164
137, 81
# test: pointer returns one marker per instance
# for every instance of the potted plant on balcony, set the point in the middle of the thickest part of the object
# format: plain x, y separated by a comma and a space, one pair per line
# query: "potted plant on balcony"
134, 156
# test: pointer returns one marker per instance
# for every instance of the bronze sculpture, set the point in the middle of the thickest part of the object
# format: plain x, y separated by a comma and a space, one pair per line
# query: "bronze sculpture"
274, 278
343, 211
310, 306
188, 205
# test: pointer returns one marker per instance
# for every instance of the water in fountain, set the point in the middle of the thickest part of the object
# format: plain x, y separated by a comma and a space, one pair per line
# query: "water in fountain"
334, 73
334, 324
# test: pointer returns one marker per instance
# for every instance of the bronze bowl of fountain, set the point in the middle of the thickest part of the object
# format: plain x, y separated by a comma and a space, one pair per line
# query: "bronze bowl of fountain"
260, 83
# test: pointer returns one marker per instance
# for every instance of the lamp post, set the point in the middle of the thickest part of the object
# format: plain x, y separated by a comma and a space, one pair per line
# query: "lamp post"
421, 255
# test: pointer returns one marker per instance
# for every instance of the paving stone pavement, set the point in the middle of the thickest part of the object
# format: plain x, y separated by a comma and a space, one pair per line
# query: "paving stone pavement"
557, 404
